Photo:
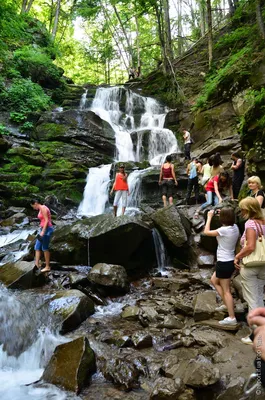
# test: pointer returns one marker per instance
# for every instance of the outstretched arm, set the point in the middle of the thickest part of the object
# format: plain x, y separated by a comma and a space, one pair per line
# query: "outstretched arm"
207, 229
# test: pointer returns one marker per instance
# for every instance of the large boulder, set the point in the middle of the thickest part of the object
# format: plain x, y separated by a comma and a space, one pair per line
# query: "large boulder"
167, 389
113, 277
20, 275
71, 307
123, 241
168, 220
71, 365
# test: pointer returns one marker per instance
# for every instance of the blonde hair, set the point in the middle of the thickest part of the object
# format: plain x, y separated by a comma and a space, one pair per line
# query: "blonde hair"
255, 179
252, 208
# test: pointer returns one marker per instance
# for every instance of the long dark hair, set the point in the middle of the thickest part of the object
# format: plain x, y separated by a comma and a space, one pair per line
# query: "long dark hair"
216, 160
226, 184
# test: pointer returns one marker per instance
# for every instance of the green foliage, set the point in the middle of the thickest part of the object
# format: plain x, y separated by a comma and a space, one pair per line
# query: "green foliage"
233, 71
33, 63
26, 127
3, 130
231, 39
17, 117
25, 96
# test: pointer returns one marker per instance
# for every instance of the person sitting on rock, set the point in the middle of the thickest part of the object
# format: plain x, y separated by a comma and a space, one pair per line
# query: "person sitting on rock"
44, 236
167, 180
227, 237
121, 187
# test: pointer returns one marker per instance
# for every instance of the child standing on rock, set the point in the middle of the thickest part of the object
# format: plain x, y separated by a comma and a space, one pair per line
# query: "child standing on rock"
227, 237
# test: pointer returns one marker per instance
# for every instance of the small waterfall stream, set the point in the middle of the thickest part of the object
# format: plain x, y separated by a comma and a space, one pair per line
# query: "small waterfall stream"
134, 118
161, 253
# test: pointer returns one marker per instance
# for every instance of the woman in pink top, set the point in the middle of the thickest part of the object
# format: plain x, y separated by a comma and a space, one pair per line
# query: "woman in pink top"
252, 278
44, 236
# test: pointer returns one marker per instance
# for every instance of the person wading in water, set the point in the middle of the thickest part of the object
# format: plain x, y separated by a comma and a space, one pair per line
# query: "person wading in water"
122, 190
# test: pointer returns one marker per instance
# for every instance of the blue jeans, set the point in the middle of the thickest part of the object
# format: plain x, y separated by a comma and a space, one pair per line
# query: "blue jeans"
43, 245
210, 200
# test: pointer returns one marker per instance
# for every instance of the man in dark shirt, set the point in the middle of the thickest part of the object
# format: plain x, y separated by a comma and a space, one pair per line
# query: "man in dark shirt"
238, 168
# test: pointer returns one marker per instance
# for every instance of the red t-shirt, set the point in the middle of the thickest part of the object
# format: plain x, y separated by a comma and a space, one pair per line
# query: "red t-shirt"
210, 185
120, 183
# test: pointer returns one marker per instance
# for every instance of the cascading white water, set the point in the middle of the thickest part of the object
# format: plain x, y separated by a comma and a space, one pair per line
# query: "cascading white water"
82, 105
161, 255
96, 191
25, 349
128, 113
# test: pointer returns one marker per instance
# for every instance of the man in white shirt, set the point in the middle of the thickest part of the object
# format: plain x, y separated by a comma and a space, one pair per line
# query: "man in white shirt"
187, 144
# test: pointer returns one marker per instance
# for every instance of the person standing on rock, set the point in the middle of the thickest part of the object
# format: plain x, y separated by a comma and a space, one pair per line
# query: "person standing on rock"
120, 186
187, 144
193, 181
238, 168
44, 236
227, 237
167, 180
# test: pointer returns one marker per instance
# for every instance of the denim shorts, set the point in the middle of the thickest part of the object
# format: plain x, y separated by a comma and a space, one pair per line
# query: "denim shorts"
43, 245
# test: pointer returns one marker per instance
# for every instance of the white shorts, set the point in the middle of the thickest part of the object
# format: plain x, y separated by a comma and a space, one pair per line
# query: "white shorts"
118, 195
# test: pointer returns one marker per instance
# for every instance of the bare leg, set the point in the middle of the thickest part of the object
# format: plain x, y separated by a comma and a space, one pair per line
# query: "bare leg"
228, 299
123, 210
164, 198
170, 200
47, 261
115, 208
37, 258
216, 282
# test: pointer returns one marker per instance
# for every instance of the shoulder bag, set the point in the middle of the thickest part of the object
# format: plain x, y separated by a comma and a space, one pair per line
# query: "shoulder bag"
257, 257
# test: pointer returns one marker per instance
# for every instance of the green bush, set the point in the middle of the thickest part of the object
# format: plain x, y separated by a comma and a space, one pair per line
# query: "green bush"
17, 117
33, 63
26, 127
3, 130
25, 96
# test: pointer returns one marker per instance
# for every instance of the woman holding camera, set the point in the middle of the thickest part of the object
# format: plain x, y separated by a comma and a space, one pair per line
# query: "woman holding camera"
44, 237
227, 237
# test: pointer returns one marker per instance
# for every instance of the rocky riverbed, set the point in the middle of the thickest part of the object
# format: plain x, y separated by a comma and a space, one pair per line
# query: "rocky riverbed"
134, 329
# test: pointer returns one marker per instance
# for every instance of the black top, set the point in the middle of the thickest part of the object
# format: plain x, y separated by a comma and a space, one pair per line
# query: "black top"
259, 193
240, 172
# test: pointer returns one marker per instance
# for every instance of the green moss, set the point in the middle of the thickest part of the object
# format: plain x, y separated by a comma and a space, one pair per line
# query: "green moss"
51, 131
22, 187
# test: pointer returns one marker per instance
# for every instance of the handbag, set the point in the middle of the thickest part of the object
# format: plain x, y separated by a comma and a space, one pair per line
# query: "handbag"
257, 257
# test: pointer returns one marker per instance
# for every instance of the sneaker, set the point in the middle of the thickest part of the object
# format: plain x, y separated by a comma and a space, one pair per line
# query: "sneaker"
221, 308
228, 321
246, 340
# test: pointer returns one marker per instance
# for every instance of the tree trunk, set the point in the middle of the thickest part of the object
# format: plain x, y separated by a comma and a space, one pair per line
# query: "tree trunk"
167, 31
138, 46
161, 37
179, 27
260, 21
29, 5
56, 19
202, 17
210, 33
124, 34
23, 6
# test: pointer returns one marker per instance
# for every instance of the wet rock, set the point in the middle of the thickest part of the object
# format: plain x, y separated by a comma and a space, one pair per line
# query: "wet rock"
204, 305
71, 365
76, 279
171, 284
206, 336
188, 394
116, 338
111, 276
20, 275
171, 322
126, 241
120, 371
131, 313
142, 340
198, 373
168, 220
183, 307
72, 307
234, 389
206, 260
166, 389
17, 218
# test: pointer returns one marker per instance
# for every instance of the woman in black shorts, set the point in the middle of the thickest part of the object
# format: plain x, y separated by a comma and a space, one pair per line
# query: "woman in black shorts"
227, 237
167, 180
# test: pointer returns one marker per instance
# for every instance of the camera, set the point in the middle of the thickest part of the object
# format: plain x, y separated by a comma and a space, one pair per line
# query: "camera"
217, 211
39, 237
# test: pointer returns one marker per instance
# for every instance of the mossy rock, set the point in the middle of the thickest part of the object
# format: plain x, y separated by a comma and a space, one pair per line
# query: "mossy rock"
50, 131
72, 307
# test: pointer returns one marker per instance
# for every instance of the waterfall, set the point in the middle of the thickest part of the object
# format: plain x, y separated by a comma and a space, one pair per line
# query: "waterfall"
160, 250
26, 347
128, 113
82, 105
96, 191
